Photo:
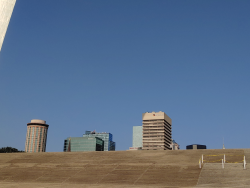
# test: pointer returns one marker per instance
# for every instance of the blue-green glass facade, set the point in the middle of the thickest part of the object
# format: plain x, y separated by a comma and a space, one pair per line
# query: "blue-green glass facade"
109, 144
75, 144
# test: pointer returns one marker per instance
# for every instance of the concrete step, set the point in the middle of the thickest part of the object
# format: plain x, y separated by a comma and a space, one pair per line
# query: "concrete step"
233, 175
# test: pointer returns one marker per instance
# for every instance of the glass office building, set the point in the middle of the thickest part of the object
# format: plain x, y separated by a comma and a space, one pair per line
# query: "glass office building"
109, 144
137, 136
73, 144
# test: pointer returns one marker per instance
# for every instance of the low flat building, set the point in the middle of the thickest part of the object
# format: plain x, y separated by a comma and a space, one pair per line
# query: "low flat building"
196, 146
135, 148
74, 144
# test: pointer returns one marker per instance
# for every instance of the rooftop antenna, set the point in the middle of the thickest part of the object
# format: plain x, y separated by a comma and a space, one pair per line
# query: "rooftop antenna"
223, 144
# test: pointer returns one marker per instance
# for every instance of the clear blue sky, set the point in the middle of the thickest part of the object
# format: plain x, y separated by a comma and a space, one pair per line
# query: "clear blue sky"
98, 65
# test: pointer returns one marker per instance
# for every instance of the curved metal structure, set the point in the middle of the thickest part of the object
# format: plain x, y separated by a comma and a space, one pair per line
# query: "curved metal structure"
6, 9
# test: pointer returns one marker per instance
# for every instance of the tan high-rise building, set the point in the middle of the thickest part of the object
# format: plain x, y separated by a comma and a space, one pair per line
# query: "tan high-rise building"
157, 131
36, 137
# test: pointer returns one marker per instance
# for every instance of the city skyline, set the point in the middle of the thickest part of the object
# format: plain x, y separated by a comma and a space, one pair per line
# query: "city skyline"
99, 65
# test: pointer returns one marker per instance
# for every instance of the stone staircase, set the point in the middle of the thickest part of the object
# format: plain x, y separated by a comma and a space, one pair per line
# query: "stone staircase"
233, 174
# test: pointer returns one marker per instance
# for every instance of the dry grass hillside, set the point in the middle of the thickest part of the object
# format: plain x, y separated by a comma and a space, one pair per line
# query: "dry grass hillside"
112, 169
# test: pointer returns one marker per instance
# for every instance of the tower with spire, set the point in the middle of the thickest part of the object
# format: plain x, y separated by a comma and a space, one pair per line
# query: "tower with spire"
223, 144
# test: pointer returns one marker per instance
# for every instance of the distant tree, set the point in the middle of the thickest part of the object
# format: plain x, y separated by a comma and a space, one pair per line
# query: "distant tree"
9, 150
